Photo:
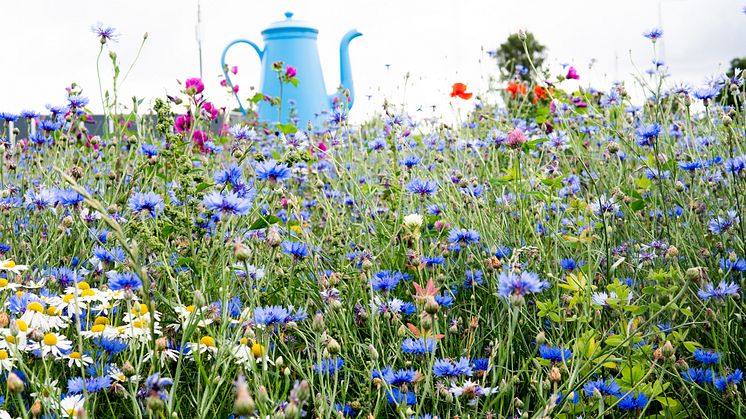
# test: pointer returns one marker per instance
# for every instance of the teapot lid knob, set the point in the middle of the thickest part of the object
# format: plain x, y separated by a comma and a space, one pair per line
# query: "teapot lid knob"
289, 15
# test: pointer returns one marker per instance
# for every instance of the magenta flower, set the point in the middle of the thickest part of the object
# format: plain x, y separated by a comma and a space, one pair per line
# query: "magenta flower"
183, 123
234, 69
210, 110
572, 74
516, 138
291, 72
194, 86
200, 138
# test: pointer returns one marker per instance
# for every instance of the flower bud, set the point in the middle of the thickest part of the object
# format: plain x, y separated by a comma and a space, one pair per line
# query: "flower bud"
697, 274
668, 349
431, 306
373, 352
262, 395
4, 319
244, 405
127, 369
241, 251
413, 221
15, 384
273, 237
613, 147
540, 338
36, 409
333, 346
317, 324
554, 375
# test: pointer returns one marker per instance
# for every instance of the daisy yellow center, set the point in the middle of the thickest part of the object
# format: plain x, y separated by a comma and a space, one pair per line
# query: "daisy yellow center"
87, 293
50, 339
9, 264
10, 339
35, 306
207, 341
52, 311
137, 324
257, 350
98, 328
141, 310
190, 309
3, 282
3, 355
76, 355
68, 298
83, 285
243, 341
22, 326
101, 320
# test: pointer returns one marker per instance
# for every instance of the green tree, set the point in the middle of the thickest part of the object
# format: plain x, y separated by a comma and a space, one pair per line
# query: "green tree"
512, 54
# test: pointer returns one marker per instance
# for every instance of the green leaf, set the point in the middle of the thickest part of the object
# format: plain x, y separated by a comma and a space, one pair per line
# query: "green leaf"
287, 128
202, 186
615, 340
263, 222
167, 230
637, 205
294, 81
257, 98
691, 346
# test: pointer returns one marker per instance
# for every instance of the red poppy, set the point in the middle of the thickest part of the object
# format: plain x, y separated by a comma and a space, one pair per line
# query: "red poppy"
540, 93
515, 88
459, 89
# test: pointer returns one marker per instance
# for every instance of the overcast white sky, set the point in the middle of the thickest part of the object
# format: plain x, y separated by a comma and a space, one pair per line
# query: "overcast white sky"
48, 44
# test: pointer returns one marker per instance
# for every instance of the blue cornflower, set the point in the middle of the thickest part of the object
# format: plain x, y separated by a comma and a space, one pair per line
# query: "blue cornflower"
418, 346
422, 188
241, 132
274, 315
473, 278
147, 204
737, 265
647, 133
124, 281
410, 161
707, 357
77, 101
345, 410
605, 387
707, 93
234, 307
554, 353
631, 401
697, 375
444, 299
77, 385
449, 368
569, 264
690, 166
518, 285
503, 252
481, 364
29, 114
49, 125
378, 143
329, 366
395, 396
231, 175
385, 281
720, 225
463, 236
109, 256
64, 276
653, 34
397, 378
228, 204
8, 117
297, 250
723, 290
68, 197
4, 248
111, 345
149, 150
17, 303
722, 382
105, 33
433, 260
155, 385
271, 171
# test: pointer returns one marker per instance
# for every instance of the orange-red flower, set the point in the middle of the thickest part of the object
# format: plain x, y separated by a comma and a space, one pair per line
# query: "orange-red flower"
540, 93
459, 89
516, 88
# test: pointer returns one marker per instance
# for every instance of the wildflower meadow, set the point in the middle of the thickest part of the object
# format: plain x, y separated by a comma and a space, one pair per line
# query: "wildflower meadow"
554, 253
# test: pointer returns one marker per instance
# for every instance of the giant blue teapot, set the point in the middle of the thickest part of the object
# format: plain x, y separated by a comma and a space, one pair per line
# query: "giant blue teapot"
294, 43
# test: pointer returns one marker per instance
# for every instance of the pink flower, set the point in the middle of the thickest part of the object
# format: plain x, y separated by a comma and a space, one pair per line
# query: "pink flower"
235, 89
516, 138
223, 82
234, 69
572, 74
291, 72
183, 123
210, 110
322, 146
200, 138
194, 86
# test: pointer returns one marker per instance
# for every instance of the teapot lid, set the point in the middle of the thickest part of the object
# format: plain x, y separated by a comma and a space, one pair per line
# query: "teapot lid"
289, 25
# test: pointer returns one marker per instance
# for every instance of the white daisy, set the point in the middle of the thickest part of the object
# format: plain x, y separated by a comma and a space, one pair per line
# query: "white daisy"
71, 404
6, 360
52, 343
7, 285
36, 317
10, 266
78, 359
205, 345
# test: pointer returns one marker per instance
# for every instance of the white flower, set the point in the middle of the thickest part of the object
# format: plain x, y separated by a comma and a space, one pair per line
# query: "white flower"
52, 343
205, 345
6, 360
4, 415
79, 360
472, 391
71, 404
7, 285
413, 221
36, 318
10, 265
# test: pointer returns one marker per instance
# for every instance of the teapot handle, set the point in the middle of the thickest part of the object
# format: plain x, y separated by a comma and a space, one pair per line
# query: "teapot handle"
225, 68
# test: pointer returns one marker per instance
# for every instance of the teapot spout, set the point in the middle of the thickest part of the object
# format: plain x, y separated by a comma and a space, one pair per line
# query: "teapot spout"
344, 64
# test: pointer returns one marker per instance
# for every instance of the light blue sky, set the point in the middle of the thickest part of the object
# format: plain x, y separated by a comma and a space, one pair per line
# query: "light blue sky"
48, 44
